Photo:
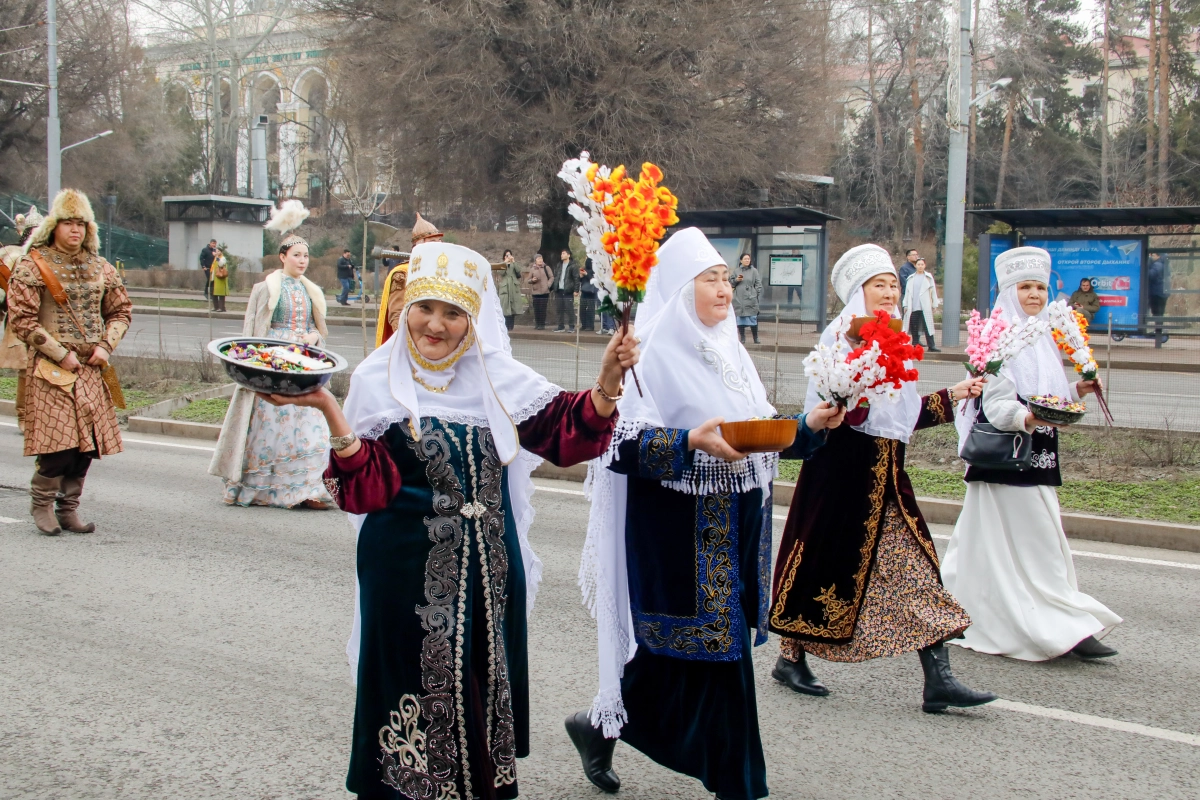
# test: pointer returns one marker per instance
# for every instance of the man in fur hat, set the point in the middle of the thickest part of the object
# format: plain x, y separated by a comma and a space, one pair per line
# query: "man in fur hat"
392, 301
70, 307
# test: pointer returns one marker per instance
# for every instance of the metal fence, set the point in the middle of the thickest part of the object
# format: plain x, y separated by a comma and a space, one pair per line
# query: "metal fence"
128, 249
1148, 387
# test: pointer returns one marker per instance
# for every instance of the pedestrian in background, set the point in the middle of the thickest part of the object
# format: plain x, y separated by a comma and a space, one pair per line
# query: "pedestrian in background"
206, 259
920, 300
1160, 291
220, 281
537, 281
587, 298
566, 284
907, 269
1085, 300
747, 294
345, 274
512, 302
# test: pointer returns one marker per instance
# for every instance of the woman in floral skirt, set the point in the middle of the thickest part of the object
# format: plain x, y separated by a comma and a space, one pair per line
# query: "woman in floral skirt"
275, 455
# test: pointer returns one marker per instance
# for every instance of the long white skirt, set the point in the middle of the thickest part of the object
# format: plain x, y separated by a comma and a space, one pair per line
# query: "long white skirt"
1009, 565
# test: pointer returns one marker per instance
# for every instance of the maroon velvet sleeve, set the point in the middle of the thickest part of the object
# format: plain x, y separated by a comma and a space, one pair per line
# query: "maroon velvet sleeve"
568, 430
366, 481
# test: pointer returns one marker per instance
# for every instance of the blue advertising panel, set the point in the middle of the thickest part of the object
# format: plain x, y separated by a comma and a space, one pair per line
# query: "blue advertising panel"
1113, 264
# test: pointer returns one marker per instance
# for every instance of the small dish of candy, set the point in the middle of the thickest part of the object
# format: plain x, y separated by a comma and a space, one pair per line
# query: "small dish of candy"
276, 366
1059, 410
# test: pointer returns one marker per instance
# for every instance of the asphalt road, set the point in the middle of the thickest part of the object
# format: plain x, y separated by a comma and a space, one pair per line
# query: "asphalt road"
192, 650
1138, 398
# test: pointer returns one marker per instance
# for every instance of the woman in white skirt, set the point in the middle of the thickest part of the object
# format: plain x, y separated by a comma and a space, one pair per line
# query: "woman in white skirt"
1008, 562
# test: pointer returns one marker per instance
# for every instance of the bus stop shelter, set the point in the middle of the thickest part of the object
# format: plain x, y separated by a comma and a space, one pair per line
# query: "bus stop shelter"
788, 244
1110, 246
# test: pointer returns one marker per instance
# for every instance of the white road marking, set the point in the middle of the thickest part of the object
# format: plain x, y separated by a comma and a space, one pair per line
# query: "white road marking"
541, 488
9, 520
1098, 722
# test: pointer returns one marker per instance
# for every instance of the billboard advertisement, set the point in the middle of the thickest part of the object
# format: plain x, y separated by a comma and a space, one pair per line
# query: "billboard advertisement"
1115, 266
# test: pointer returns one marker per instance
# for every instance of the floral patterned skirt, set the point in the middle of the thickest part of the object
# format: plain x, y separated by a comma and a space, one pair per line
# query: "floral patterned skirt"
905, 608
287, 450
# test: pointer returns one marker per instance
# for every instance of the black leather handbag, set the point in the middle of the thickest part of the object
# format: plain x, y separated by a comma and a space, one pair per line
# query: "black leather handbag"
989, 448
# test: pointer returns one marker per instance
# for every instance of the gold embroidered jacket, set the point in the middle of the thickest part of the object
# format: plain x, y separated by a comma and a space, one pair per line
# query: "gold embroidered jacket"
832, 531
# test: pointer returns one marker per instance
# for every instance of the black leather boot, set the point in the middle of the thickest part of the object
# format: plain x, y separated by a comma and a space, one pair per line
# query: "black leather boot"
595, 750
741, 333
754, 330
1091, 647
942, 689
798, 677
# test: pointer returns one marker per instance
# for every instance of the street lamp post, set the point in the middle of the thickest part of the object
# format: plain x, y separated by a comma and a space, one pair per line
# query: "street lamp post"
956, 181
53, 132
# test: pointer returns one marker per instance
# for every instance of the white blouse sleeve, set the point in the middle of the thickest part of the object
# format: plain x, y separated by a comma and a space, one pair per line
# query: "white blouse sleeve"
1001, 405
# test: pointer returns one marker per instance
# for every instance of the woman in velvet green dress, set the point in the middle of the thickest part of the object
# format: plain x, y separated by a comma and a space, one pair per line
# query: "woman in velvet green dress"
676, 568
433, 456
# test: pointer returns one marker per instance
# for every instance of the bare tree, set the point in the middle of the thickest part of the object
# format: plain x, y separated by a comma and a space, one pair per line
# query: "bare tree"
485, 100
225, 33
363, 176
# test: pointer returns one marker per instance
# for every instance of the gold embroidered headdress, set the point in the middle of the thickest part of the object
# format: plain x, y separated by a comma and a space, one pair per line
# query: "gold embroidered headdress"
447, 272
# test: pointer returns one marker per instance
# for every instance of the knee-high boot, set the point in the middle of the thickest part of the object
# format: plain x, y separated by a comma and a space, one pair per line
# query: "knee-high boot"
942, 689
43, 491
754, 330
741, 333
68, 506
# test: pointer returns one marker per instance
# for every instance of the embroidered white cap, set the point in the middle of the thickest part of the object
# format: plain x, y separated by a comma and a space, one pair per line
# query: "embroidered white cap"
858, 265
1022, 264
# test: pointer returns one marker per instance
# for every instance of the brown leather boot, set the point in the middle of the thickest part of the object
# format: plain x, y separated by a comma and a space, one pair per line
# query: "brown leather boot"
68, 507
43, 491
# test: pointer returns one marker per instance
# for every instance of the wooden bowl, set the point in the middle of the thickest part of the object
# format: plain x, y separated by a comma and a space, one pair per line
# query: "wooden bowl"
856, 325
760, 435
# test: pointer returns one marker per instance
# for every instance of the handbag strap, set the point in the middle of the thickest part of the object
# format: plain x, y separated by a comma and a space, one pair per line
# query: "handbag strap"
1018, 440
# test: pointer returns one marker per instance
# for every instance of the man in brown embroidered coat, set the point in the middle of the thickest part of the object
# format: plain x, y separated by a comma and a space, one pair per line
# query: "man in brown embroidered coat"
69, 413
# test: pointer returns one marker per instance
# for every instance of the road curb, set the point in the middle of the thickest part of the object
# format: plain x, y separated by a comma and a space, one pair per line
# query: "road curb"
157, 418
941, 510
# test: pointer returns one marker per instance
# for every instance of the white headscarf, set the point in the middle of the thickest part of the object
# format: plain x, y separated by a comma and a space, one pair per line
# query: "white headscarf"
489, 388
690, 373
885, 420
1038, 368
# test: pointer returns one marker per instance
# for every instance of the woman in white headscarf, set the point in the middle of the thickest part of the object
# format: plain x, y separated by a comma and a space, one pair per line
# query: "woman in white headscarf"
1008, 561
857, 573
677, 560
433, 456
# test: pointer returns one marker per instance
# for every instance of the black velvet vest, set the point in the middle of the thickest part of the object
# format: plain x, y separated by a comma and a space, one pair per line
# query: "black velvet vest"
1043, 472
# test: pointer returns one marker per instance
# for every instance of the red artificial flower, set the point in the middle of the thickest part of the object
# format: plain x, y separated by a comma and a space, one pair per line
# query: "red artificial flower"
895, 348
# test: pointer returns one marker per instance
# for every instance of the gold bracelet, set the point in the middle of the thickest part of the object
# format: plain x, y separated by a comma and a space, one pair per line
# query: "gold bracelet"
607, 396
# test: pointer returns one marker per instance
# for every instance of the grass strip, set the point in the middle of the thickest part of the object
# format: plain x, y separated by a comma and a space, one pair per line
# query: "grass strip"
211, 411
1161, 500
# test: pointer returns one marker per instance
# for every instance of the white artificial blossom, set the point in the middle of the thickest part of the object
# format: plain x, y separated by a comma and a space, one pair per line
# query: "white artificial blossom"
592, 224
845, 381
1017, 337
